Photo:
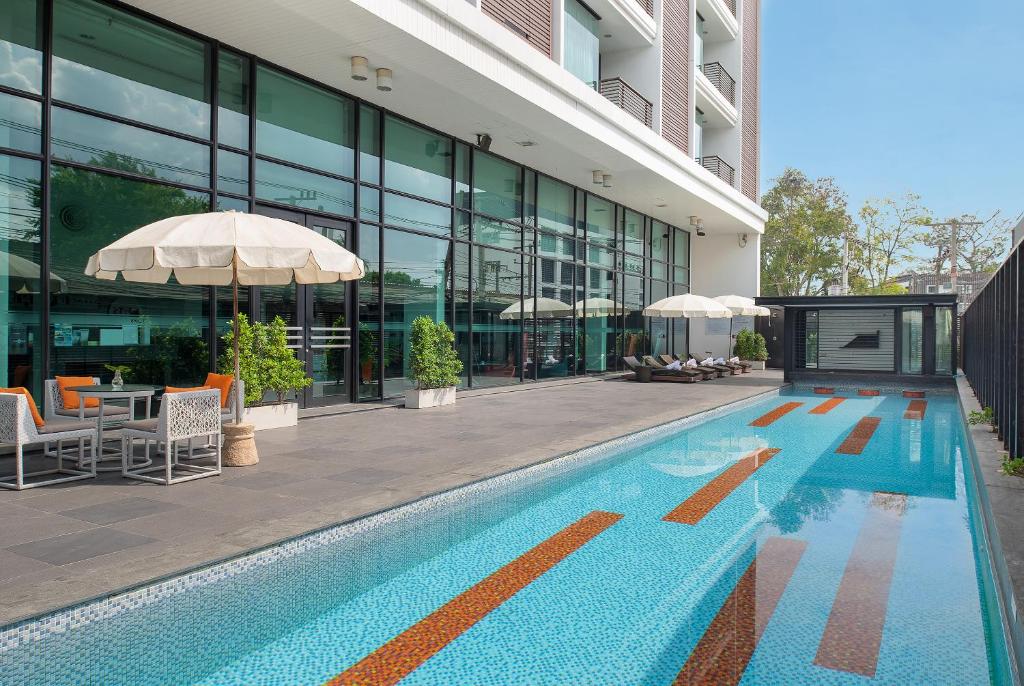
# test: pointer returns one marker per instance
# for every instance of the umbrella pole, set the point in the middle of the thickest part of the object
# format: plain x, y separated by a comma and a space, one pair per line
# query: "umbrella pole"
234, 337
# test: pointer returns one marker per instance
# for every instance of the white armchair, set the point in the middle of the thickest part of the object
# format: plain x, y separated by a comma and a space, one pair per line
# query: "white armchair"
182, 417
18, 427
53, 407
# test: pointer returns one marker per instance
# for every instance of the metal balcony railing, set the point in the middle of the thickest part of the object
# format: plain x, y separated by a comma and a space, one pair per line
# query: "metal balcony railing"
626, 97
720, 168
648, 6
721, 80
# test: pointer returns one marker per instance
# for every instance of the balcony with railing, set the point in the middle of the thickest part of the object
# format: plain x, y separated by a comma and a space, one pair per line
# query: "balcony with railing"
721, 80
627, 98
720, 168
648, 6
731, 4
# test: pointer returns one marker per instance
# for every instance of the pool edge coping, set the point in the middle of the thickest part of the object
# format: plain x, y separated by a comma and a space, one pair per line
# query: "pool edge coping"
12, 633
1008, 603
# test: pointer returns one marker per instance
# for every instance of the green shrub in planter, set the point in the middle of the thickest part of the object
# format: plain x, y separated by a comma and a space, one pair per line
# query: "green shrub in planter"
265, 362
751, 346
433, 361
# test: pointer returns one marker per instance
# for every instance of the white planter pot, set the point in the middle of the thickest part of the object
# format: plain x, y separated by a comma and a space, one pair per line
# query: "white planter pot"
431, 397
757, 365
272, 416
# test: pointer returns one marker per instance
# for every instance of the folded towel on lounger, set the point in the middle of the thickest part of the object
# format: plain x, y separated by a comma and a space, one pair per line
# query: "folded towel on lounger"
719, 360
674, 365
708, 361
691, 362
734, 360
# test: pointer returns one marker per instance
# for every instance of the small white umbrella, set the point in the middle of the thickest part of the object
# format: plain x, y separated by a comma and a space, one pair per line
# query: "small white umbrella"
226, 248
544, 308
688, 305
23, 276
741, 306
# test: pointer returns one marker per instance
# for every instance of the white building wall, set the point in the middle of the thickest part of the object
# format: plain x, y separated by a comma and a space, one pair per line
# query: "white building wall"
720, 266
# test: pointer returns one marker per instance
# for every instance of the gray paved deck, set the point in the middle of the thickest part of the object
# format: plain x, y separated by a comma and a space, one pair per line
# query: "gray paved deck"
67, 543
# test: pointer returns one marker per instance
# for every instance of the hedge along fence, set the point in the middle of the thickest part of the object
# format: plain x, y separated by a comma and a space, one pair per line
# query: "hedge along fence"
991, 355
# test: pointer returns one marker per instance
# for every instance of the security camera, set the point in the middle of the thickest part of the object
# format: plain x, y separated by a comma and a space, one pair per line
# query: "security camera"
483, 141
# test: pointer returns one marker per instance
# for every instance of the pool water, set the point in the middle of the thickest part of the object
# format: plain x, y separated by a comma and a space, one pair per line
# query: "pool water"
817, 548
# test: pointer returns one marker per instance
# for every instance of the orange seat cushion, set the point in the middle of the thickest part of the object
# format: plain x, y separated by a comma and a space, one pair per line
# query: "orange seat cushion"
175, 389
21, 390
70, 398
221, 382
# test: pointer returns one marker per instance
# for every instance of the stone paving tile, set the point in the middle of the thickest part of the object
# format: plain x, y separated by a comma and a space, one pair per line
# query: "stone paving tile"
61, 550
13, 565
119, 510
398, 454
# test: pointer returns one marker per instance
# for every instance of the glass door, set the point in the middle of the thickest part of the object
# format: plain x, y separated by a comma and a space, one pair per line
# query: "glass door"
318, 318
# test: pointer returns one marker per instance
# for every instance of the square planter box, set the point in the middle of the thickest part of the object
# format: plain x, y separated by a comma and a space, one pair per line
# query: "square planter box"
272, 416
431, 397
756, 365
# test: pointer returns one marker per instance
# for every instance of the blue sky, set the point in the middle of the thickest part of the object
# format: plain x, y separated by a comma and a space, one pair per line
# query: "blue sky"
889, 96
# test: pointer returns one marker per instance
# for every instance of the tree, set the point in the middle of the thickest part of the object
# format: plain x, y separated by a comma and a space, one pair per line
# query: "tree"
802, 245
979, 248
891, 227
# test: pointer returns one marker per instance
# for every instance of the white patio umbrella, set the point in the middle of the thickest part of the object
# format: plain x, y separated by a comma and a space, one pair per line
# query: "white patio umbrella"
226, 248
544, 308
23, 276
741, 306
598, 307
688, 305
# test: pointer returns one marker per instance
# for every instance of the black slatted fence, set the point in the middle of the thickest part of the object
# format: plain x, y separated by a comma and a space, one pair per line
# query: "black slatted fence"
992, 350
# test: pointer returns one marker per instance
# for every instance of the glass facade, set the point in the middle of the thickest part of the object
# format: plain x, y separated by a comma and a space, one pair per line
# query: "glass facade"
582, 43
537, 278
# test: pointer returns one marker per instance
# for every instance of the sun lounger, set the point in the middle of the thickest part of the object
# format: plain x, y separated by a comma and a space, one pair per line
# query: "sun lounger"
724, 368
709, 372
659, 374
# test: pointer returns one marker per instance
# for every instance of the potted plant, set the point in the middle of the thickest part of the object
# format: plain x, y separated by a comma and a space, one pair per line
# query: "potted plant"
117, 383
751, 347
266, 364
434, 363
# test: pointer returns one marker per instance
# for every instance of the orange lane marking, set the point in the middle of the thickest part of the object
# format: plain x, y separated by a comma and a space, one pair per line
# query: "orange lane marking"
824, 390
871, 392
782, 409
853, 634
693, 509
859, 436
400, 656
913, 394
727, 645
826, 406
915, 409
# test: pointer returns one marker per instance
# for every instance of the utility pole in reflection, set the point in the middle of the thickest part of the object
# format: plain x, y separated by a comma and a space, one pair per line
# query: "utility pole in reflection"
954, 225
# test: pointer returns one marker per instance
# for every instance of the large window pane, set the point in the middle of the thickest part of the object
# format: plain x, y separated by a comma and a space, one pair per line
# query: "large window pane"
160, 331
463, 196
633, 232
497, 340
943, 340
21, 40
582, 44
369, 313
496, 233
298, 122
278, 183
681, 248
369, 144
232, 172
634, 334
912, 342
554, 324
416, 282
417, 214
554, 205
659, 325
417, 161
233, 93
497, 188
602, 310
91, 140
462, 305
21, 122
120, 63
659, 241
600, 221
21, 275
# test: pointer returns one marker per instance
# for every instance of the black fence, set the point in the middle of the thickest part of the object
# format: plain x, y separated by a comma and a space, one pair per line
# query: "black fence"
991, 354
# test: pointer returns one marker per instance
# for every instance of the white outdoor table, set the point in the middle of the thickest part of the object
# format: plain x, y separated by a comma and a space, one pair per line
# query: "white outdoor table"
106, 392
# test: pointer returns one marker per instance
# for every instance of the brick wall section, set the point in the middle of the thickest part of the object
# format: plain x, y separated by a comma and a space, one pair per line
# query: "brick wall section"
529, 19
750, 95
676, 110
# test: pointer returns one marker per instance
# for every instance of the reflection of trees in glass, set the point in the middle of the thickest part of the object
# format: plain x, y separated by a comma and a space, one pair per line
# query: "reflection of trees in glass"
392, 278
805, 501
176, 354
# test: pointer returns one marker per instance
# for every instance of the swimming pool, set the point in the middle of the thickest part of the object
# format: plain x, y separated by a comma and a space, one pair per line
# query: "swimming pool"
797, 539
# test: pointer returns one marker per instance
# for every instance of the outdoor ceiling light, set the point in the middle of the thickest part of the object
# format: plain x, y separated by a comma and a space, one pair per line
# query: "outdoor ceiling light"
384, 82
360, 68
598, 176
607, 181
697, 224
483, 141
743, 240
